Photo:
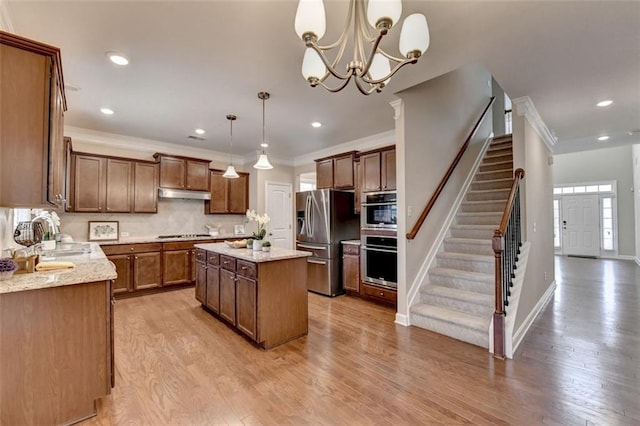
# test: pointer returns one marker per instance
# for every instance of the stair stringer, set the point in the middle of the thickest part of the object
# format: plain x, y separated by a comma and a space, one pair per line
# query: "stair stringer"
413, 291
510, 341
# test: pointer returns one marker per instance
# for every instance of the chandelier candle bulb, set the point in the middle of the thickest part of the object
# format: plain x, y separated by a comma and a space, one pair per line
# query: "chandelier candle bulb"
310, 19
380, 68
414, 37
380, 10
312, 66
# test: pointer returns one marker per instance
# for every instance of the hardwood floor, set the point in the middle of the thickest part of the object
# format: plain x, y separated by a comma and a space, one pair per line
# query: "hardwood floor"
580, 364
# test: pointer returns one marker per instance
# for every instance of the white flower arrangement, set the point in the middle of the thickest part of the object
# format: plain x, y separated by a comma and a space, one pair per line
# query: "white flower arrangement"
262, 220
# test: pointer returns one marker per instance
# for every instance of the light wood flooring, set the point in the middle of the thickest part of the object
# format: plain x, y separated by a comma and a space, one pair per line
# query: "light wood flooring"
580, 364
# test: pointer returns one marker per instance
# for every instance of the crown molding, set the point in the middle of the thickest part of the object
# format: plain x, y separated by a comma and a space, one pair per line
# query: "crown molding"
147, 146
5, 18
397, 108
363, 144
524, 107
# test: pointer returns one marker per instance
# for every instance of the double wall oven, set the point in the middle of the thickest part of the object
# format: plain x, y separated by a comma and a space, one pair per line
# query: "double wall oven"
378, 233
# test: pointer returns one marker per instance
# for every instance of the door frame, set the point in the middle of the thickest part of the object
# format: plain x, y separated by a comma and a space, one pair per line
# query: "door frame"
291, 207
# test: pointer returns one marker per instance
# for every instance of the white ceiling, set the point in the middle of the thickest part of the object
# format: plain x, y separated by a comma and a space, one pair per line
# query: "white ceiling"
192, 63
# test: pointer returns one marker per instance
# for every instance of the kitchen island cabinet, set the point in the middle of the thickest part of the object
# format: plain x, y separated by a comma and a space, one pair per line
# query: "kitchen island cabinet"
56, 342
262, 294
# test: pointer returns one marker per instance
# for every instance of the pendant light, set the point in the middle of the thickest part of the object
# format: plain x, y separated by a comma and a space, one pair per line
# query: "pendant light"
231, 171
263, 161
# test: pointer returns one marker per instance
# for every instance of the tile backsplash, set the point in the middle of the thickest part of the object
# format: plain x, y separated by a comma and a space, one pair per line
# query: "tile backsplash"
175, 216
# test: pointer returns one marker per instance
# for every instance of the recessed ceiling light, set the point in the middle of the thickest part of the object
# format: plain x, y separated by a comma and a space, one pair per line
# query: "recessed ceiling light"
606, 103
117, 58
106, 111
316, 124
199, 131
264, 145
603, 138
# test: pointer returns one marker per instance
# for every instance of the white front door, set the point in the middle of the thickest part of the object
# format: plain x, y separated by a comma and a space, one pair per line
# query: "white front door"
279, 206
581, 225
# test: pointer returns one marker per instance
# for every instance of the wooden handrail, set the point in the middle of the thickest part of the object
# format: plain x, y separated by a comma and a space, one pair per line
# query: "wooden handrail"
517, 176
498, 245
414, 231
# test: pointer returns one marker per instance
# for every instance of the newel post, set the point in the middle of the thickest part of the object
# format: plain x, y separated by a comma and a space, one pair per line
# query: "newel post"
498, 315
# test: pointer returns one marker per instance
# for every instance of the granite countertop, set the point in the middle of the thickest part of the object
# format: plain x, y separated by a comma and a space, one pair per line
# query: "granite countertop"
155, 239
276, 253
356, 242
89, 267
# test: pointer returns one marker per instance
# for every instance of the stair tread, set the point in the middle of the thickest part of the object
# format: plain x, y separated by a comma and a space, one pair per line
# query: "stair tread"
458, 294
495, 180
479, 213
465, 256
482, 191
487, 172
483, 201
467, 275
459, 240
473, 226
452, 316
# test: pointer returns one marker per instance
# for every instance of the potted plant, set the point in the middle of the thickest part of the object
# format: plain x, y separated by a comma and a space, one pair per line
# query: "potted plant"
7, 267
266, 246
262, 221
250, 243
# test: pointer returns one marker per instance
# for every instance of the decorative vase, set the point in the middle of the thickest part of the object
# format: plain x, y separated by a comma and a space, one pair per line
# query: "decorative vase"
266, 248
257, 245
6, 275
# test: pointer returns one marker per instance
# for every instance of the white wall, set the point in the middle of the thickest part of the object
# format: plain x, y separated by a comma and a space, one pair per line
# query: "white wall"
600, 165
636, 197
531, 154
438, 116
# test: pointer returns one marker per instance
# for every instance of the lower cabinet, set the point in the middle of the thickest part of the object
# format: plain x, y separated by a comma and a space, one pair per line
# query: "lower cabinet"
147, 272
266, 301
352, 283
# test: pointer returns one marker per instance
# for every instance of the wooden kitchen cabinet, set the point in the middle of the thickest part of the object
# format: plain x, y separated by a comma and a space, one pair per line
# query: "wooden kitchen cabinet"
357, 196
378, 170
201, 282
228, 196
178, 262
139, 266
335, 172
145, 187
228, 295
32, 107
182, 172
102, 184
212, 300
351, 267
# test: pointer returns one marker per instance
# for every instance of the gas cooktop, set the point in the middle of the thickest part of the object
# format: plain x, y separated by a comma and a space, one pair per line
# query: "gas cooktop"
184, 236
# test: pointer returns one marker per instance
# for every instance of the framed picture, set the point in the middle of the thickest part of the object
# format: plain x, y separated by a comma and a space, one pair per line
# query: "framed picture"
103, 231
238, 229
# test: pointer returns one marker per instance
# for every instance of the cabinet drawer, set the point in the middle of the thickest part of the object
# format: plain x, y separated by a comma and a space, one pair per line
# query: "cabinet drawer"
213, 259
178, 245
380, 293
228, 263
247, 269
351, 249
130, 248
201, 256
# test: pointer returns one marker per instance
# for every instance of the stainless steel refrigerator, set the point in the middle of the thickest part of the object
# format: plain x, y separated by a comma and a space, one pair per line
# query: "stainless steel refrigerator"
324, 218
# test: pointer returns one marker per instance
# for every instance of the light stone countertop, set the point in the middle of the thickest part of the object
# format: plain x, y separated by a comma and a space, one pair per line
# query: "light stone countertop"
276, 253
89, 267
355, 242
155, 239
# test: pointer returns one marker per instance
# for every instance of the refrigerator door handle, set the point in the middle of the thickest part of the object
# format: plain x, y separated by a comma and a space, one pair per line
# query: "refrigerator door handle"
318, 262
311, 247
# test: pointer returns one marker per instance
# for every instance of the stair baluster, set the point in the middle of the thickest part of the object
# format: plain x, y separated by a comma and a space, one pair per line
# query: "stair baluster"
507, 240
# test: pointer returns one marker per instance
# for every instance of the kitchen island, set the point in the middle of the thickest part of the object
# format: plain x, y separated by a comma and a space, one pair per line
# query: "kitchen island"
262, 294
56, 347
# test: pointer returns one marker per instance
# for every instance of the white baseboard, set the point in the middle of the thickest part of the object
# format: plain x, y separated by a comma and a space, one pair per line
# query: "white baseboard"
524, 328
402, 319
618, 257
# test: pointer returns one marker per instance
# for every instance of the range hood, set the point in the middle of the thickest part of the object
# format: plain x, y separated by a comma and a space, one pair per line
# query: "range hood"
183, 193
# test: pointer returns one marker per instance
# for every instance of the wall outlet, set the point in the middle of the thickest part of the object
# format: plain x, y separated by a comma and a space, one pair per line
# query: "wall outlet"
124, 234
535, 226
409, 211
545, 277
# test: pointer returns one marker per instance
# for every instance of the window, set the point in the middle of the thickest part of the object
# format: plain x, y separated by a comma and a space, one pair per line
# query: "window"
598, 188
21, 215
607, 223
307, 186
556, 224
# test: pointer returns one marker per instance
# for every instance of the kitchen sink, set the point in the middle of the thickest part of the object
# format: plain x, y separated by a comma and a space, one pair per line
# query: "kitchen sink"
67, 249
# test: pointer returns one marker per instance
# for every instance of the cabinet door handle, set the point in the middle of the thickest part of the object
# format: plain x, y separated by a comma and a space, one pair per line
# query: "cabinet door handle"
131, 248
128, 257
135, 257
113, 300
244, 268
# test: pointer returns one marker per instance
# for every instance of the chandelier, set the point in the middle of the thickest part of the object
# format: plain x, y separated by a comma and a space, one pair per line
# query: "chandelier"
370, 68
263, 162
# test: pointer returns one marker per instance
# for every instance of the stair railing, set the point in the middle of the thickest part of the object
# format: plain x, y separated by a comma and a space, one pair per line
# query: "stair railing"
506, 243
434, 197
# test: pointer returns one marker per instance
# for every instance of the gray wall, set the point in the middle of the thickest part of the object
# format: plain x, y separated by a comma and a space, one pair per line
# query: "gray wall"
438, 116
604, 164
636, 196
531, 154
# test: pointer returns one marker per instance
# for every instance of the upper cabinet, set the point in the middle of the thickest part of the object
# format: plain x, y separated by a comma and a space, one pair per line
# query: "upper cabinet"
183, 173
378, 170
228, 195
32, 107
335, 172
102, 184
